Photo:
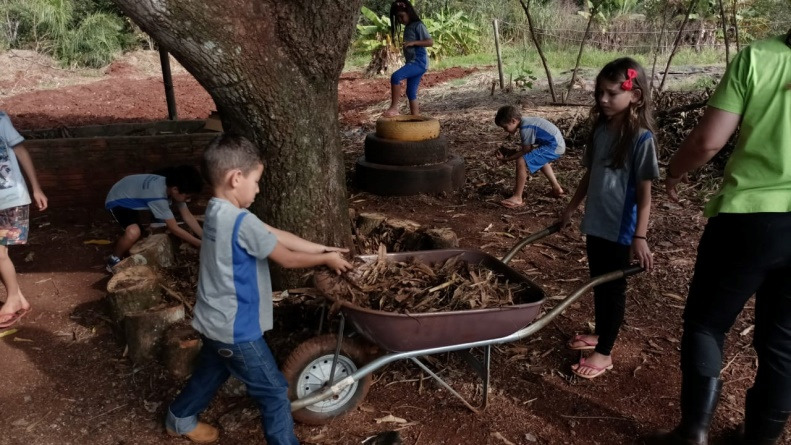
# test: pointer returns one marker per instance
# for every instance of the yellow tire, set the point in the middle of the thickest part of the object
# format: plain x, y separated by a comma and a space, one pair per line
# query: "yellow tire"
407, 128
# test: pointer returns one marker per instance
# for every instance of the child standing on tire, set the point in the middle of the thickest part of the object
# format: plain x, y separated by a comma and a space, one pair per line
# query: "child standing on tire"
540, 143
415, 40
234, 300
620, 163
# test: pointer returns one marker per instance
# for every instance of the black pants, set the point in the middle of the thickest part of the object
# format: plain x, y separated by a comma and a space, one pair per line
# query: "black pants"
609, 298
740, 255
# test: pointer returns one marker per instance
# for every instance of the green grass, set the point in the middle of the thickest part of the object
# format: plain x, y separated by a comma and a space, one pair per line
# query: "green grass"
518, 60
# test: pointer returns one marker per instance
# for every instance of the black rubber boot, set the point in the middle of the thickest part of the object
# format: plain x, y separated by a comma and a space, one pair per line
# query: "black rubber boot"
699, 397
762, 426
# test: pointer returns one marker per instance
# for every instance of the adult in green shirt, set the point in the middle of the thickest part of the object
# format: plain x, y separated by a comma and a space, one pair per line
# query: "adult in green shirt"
745, 249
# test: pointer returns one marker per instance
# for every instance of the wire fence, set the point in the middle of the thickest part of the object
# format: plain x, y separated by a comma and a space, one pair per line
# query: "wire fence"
628, 35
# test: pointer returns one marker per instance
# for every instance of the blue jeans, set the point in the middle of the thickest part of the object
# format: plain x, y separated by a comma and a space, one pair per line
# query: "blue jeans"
412, 72
253, 364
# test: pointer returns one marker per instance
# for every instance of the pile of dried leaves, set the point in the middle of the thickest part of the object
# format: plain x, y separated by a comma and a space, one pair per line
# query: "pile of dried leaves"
413, 286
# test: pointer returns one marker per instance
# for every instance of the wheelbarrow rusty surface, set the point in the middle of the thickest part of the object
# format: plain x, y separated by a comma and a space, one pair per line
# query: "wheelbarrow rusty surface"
407, 332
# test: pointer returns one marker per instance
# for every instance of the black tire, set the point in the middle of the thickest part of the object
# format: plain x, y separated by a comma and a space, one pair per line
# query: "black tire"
391, 152
307, 369
394, 180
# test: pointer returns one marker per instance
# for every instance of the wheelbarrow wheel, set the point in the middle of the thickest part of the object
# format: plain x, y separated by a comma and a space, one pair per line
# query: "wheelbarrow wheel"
307, 371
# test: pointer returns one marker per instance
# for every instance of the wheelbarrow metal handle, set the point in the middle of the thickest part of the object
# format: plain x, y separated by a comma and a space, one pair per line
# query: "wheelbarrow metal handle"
530, 239
574, 296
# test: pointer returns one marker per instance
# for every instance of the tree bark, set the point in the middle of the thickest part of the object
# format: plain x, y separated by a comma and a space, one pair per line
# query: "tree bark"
272, 68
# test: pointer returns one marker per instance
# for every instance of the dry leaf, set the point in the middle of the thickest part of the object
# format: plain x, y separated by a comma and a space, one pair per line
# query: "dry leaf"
391, 419
497, 435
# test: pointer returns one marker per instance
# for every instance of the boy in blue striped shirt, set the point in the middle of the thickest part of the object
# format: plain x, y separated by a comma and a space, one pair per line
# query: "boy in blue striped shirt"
234, 302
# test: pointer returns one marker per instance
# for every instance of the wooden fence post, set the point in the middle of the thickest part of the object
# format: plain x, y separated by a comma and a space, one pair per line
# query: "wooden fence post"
499, 55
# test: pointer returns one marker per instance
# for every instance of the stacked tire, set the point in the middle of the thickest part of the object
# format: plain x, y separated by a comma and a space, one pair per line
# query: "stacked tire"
407, 155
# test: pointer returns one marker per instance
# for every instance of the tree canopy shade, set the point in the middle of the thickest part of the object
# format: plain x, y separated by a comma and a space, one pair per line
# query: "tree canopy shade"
272, 68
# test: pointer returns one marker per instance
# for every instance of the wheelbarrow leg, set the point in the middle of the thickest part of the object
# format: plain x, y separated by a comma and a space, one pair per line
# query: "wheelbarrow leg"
481, 368
337, 350
444, 384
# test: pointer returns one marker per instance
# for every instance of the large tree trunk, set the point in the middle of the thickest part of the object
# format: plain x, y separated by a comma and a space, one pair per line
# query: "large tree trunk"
272, 68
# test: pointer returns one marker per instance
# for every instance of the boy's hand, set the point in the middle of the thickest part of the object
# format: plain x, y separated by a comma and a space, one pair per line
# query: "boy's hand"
337, 263
642, 253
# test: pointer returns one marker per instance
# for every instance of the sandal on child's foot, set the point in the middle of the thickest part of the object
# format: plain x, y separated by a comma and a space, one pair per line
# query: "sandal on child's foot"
597, 371
585, 345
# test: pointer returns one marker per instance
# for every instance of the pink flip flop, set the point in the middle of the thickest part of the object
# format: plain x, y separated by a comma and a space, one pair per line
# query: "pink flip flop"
11, 319
599, 371
586, 344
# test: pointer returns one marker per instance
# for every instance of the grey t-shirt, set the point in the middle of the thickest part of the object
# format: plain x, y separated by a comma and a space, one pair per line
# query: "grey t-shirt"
611, 205
412, 32
142, 192
234, 303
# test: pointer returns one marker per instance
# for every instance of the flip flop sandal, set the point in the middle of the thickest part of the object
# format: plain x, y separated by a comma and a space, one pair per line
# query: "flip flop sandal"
586, 344
511, 205
599, 371
10, 320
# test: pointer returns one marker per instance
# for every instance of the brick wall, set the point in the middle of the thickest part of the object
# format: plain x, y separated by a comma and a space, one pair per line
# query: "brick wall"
78, 170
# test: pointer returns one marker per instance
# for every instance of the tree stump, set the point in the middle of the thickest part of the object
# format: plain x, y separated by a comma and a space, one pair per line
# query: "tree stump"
157, 250
406, 234
442, 238
133, 289
145, 330
181, 347
368, 222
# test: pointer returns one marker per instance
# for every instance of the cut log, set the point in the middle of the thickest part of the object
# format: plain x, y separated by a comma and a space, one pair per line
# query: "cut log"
181, 347
442, 238
367, 222
406, 233
145, 331
133, 289
157, 250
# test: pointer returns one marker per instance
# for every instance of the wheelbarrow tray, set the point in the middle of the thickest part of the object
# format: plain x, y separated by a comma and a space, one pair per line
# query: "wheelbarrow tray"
408, 332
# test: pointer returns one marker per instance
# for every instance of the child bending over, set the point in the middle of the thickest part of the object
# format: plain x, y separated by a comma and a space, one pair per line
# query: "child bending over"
540, 143
153, 192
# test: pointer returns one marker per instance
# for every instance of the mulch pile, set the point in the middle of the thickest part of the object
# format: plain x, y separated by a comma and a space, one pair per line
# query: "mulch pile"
414, 286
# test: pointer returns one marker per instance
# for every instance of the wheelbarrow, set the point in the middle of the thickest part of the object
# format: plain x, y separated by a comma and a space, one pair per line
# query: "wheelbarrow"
330, 375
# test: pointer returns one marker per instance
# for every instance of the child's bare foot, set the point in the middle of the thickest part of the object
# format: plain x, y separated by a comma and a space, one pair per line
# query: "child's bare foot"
512, 203
390, 112
14, 305
592, 366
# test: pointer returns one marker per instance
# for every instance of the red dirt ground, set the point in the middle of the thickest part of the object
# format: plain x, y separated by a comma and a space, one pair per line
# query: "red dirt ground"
64, 379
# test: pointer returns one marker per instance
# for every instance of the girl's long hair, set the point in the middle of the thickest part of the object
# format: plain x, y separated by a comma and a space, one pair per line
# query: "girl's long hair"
788, 38
396, 7
639, 115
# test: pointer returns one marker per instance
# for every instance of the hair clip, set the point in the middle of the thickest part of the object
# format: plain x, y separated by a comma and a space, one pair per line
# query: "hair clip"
627, 84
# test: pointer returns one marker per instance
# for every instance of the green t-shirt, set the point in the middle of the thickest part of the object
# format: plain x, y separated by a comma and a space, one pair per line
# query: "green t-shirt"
757, 177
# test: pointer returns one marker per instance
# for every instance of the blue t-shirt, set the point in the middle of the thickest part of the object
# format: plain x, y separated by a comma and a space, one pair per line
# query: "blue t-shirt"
142, 192
13, 190
543, 133
611, 205
412, 32
234, 303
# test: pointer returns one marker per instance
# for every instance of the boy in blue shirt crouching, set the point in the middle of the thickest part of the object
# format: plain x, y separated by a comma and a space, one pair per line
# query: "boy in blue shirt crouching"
234, 301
